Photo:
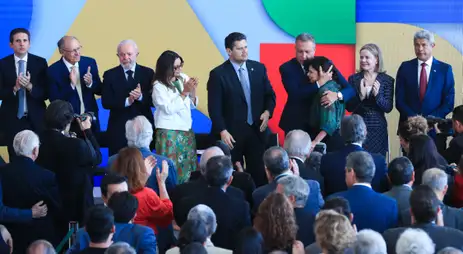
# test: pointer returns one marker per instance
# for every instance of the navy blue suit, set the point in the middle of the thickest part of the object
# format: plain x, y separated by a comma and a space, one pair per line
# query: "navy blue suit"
296, 113
440, 93
333, 169
8, 214
371, 209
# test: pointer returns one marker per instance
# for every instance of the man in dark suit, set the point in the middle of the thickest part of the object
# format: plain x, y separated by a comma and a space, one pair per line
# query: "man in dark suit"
75, 79
425, 212
424, 85
241, 101
455, 150
232, 214
296, 112
23, 78
126, 93
371, 209
332, 168
278, 165
24, 183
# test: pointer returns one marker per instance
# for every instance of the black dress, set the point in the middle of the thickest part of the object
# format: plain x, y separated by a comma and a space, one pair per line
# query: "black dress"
373, 109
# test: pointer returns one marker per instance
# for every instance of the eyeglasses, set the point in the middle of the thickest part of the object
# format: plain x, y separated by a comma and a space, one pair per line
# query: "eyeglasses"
77, 50
178, 67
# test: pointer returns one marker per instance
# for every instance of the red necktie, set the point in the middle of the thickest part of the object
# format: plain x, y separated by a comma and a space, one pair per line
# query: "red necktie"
423, 81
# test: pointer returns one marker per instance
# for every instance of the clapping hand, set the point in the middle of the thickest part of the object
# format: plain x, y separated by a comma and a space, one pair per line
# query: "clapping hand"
88, 78
135, 93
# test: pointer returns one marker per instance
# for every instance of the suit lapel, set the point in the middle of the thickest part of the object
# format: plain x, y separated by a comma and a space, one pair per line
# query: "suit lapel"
250, 69
122, 76
12, 66
137, 76
82, 70
235, 80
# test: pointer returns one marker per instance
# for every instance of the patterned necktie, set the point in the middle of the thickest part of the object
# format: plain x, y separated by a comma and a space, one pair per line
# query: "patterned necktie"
21, 91
247, 93
423, 81
79, 89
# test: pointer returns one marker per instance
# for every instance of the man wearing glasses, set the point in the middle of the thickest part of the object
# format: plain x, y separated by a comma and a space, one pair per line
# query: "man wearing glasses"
75, 79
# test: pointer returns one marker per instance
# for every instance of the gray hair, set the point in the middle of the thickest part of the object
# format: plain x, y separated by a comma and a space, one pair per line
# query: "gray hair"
41, 246
353, 129
369, 242
208, 153
424, 34
305, 37
298, 143
139, 132
205, 214
295, 186
124, 42
276, 160
61, 41
363, 165
25, 142
414, 241
450, 250
435, 178
120, 248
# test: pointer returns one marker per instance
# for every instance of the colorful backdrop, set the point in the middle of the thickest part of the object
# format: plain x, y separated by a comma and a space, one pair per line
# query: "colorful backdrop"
196, 29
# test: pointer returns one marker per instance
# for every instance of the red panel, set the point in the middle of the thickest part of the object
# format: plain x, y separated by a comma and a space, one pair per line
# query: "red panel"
273, 55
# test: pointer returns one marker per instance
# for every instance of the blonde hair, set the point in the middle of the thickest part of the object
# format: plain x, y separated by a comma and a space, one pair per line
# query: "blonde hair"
376, 52
333, 231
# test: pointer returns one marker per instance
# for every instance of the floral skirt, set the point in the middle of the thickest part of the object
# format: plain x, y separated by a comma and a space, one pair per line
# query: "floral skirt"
180, 147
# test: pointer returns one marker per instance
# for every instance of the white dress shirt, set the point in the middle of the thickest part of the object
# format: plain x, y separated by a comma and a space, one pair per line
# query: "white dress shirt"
428, 69
127, 77
16, 64
172, 111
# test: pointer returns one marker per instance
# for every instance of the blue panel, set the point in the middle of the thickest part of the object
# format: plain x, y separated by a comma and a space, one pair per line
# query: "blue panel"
410, 11
13, 14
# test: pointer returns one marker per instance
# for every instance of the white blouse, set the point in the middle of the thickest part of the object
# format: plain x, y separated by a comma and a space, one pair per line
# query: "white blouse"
172, 112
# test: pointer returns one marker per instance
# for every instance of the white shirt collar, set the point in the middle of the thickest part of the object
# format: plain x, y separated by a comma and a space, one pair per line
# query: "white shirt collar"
357, 144
16, 58
132, 69
69, 65
297, 158
363, 184
428, 62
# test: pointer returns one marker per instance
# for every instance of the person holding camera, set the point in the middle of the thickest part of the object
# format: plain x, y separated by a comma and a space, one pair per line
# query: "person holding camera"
453, 153
73, 160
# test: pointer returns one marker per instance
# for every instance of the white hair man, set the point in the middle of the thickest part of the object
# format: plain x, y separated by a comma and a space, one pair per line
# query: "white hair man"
369, 242
126, 93
415, 241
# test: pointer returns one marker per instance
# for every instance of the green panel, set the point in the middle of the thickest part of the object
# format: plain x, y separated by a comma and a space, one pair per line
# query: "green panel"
330, 21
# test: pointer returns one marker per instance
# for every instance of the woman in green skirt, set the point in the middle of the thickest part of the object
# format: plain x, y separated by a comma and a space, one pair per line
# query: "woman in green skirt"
174, 95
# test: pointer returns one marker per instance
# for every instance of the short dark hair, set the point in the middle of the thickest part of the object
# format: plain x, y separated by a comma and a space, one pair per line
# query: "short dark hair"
321, 61
58, 115
194, 248
124, 206
218, 170
338, 204
276, 160
249, 241
192, 231
110, 178
232, 38
400, 171
424, 204
99, 223
17, 31
457, 114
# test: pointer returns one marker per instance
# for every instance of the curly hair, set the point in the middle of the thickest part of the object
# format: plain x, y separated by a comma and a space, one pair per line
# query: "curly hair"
333, 231
129, 163
414, 125
276, 221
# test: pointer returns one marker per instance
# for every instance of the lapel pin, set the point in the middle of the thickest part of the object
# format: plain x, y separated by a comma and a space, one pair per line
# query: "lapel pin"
252, 69
434, 70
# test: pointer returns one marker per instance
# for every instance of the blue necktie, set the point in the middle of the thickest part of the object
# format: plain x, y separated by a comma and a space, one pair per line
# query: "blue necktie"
247, 93
21, 91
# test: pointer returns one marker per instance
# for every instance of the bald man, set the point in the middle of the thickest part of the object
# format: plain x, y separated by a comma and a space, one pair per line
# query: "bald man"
75, 79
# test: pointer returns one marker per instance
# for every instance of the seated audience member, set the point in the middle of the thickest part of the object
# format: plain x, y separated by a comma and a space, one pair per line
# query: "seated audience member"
425, 209
192, 231
276, 222
233, 214
298, 146
450, 250
401, 176
249, 241
369, 242
41, 247
24, 183
124, 206
206, 215
414, 241
371, 209
6, 241
339, 205
455, 150
297, 190
73, 160
332, 168
112, 183
153, 210
457, 193
194, 248
277, 165
121, 248
334, 232
423, 155
415, 125
99, 225
139, 134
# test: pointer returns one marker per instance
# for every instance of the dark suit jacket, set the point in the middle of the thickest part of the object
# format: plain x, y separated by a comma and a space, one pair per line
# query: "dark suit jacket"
37, 67
24, 183
232, 214
116, 89
59, 84
333, 165
305, 221
453, 153
371, 210
453, 217
74, 161
441, 236
401, 194
296, 112
440, 93
226, 102
309, 174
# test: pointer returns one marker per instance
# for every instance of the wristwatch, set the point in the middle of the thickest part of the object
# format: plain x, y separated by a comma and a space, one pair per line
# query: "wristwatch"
339, 96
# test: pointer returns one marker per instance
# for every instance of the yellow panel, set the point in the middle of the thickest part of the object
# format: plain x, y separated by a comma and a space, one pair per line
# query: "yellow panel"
396, 43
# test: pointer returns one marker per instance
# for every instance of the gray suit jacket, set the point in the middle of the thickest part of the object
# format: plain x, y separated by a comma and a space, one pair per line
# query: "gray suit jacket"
402, 195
